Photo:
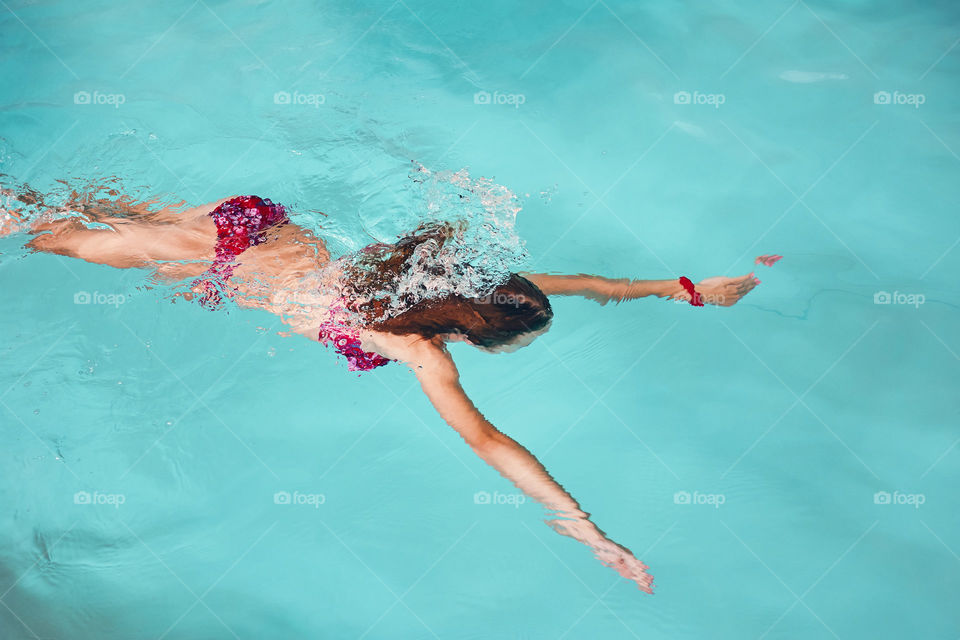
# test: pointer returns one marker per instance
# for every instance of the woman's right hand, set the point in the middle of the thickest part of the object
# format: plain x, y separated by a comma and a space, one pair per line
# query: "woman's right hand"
622, 560
613, 555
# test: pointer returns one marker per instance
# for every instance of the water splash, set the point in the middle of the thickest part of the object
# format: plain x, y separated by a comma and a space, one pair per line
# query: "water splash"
479, 252
89, 200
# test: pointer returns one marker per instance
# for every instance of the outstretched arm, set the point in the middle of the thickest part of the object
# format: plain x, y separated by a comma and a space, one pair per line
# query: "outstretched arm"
440, 381
720, 290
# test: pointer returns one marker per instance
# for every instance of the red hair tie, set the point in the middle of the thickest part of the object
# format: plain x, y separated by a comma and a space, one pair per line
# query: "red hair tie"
695, 298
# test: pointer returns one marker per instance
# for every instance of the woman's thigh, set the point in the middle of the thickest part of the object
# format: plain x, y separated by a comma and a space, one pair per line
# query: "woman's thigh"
132, 242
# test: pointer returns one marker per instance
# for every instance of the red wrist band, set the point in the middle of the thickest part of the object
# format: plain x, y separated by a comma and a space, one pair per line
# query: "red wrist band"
695, 298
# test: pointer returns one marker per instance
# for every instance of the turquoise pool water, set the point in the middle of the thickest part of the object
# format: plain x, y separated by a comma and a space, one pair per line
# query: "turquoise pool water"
787, 468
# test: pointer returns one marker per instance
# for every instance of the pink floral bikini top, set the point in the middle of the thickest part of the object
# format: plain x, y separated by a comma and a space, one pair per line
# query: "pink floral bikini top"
242, 223
347, 344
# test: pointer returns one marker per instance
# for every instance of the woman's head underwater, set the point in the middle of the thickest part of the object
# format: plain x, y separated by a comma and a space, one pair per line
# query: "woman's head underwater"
509, 317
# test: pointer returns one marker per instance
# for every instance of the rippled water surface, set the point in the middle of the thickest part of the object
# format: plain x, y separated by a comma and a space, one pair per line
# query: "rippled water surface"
787, 468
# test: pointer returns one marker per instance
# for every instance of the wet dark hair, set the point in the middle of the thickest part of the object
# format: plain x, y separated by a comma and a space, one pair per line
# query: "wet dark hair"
512, 309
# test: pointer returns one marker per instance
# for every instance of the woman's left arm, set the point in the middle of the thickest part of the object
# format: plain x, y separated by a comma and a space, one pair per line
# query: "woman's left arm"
721, 290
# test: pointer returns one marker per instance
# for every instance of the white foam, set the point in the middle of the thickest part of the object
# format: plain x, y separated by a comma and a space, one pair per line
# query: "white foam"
482, 252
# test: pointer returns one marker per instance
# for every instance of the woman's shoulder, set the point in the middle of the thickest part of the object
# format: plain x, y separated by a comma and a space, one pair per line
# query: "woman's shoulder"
413, 350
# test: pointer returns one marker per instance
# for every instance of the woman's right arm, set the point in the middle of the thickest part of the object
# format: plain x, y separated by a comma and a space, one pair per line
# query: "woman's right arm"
440, 381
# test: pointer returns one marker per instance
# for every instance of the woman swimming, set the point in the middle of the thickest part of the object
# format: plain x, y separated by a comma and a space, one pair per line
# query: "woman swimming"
246, 249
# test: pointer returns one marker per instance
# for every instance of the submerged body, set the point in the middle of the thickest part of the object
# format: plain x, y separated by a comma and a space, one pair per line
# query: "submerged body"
247, 249
180, 245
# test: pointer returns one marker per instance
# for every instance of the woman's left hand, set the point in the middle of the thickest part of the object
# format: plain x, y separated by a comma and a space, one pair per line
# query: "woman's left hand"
723, 291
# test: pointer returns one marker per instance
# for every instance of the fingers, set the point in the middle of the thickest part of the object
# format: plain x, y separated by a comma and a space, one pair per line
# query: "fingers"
747, 283
768, 260
747, 286
724, 291
735, 289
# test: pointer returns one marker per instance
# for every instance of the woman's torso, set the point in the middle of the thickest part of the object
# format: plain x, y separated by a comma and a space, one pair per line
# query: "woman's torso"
288, 273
